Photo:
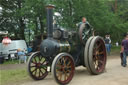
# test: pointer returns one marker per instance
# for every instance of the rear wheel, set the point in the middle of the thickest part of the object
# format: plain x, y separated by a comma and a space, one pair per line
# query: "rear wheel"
37, 66
96, 56
63, 68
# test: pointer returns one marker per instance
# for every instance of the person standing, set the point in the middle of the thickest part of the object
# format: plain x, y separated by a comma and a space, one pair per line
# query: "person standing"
107, 41
124, 50
110, 45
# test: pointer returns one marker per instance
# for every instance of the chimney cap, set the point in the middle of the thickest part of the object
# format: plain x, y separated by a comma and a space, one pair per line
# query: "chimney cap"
50, 6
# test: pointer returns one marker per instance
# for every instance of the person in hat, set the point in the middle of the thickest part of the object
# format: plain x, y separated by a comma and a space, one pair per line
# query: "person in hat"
124, 50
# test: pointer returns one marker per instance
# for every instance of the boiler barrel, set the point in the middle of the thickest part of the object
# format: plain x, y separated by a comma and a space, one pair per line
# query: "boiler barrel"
51, 47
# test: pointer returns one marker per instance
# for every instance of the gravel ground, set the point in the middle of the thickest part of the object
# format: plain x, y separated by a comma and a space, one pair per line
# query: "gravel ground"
114, 74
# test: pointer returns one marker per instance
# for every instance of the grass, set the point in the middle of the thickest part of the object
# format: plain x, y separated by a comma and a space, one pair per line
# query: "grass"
115, 49
11, 62
9, 76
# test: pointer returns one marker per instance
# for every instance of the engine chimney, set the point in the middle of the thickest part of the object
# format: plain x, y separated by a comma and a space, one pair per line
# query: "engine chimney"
50, 20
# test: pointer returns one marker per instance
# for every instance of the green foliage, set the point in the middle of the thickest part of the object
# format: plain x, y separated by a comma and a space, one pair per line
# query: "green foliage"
11, 17
101, 14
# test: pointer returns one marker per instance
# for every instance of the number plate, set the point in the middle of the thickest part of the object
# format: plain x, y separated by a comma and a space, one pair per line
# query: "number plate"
12, 55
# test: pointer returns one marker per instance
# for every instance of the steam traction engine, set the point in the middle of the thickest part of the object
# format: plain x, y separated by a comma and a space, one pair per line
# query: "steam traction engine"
62, 51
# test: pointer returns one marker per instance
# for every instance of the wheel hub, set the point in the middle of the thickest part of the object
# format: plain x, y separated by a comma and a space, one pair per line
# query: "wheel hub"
38, 65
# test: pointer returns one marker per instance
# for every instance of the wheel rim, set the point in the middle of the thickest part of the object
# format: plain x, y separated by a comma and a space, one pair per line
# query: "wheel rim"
99, 55
86, 54
38, 67
64, 69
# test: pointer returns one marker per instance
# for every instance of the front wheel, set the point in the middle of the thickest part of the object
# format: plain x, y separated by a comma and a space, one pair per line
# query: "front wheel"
63, 68
37, 66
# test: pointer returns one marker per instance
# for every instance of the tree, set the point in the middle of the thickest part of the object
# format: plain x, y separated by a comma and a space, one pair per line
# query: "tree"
19, 15
11, 18
34, 11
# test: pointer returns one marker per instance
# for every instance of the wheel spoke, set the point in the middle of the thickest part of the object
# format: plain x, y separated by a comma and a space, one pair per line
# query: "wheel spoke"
34, 70
64, 60
59, 62
58, 65
33, 62
94, 54
97, 68
68, 63
65, 75
96, 63
45, 69
68, 71
60, 75
100, 61
99, 46
68, 66
41, 71
43, 63
101, 53
35, 59
40, 58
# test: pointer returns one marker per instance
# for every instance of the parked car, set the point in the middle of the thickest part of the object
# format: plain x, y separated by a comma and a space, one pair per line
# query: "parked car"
10, 50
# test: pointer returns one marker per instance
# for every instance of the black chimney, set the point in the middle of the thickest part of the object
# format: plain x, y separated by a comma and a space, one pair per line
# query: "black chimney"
50, 21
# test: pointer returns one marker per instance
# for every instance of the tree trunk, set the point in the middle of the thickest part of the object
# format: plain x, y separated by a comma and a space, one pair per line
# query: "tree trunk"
21, 20
36, 29
70, 14
41, 25
22, 27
